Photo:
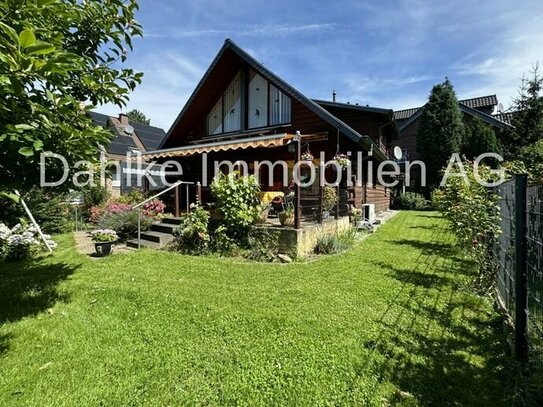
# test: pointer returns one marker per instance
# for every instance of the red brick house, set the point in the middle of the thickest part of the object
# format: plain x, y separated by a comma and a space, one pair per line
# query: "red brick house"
240, 110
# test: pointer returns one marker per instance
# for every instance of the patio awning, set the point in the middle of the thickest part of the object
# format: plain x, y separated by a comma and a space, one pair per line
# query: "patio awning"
275, 140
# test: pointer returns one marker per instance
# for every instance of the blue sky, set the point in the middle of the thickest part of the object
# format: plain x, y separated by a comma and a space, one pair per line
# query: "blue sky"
382, 53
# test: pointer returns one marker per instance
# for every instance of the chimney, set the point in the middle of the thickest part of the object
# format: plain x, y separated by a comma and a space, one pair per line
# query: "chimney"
123, 119
334, 94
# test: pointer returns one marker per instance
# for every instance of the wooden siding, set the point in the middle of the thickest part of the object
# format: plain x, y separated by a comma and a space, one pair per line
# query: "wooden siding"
379, 196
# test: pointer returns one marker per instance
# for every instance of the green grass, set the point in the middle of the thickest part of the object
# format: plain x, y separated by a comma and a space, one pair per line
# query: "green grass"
388, 322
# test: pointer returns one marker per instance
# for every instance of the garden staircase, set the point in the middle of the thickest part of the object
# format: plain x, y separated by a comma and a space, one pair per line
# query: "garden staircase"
160, 234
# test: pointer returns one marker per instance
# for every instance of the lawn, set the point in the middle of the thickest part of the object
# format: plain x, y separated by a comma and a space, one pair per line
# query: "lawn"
390, 322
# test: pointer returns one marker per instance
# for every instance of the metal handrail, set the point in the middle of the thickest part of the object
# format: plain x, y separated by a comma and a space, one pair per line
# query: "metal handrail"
161, 192
138, 206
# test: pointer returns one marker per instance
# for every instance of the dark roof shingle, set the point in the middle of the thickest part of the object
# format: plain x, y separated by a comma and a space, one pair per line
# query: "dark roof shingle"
474, 103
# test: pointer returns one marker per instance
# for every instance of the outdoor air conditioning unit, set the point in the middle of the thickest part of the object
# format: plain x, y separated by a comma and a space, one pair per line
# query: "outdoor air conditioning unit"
369, 213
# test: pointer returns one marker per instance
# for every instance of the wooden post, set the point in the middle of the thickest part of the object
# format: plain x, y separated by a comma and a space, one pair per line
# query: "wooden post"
198, 193
297, 207
320, 209
177, 201
336, 215
188, 198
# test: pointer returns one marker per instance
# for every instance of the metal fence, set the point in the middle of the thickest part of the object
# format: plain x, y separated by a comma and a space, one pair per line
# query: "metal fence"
518, 256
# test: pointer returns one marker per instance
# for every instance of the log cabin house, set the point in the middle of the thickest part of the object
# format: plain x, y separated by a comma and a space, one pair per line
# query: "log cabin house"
241, 111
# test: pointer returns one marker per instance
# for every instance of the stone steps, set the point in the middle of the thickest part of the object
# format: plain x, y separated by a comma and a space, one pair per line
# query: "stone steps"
159, 236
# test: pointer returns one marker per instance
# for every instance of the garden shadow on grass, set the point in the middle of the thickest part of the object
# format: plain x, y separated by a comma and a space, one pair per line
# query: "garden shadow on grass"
28, 288
438, 344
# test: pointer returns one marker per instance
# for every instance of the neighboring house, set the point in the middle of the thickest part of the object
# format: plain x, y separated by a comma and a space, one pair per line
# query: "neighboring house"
240, 110
127, 138
483, 107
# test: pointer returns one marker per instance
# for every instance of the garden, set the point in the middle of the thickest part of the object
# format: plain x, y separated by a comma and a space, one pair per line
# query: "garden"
391, 321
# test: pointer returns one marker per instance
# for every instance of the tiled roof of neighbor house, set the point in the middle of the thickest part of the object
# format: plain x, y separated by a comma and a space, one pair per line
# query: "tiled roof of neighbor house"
506, 117
121, 143
482, 101
475, 103
405, 113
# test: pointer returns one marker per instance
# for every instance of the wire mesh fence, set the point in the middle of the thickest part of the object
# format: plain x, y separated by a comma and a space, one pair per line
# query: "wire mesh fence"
518, 256
534, 271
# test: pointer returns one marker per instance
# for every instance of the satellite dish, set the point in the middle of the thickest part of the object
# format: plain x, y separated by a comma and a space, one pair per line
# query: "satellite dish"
398, 153
128, 129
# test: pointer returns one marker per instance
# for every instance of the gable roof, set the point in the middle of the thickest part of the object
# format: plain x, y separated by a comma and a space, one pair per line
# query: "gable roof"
493, 120
313, 106
121, 143
506, 117
476, 103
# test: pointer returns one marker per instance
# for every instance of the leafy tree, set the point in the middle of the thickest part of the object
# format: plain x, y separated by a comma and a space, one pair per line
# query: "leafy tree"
440, 131
527, 113
480, 139
54, 57
136, 116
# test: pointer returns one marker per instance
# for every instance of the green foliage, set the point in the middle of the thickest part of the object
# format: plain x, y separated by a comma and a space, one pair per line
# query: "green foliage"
237, 199
55, 55
335, 243
410, 201
95, 196
527, 114
532, 157
263, 244
136, 116
329, 196
49, 209
193, 237
125, 224
441, 131
474, 217
480, 139
221, 243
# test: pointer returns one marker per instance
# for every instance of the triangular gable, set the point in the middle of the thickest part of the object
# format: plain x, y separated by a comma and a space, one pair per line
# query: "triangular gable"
230, 50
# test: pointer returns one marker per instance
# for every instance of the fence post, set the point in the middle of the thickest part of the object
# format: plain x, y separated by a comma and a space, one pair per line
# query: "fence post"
521, 281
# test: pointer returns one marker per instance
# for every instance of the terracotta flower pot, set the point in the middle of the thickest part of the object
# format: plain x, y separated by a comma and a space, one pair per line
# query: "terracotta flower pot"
263, 217
286, 219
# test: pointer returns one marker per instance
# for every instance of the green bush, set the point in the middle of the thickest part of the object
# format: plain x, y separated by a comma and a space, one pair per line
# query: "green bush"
221, 243
237, 200
263, 244
410, 201
48, 207
336, 243
192, 237
474, 217
124, 223
95, 196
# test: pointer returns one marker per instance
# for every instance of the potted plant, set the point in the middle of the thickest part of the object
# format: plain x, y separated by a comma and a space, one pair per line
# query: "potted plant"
307, 156
329, 196
286, 217
104, 239
263, 210
343, 160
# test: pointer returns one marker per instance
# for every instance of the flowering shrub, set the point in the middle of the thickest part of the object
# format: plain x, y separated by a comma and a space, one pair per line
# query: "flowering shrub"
21, 242
104, 235
474, 217
193, 236
343, 160
115, 207
154, 208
